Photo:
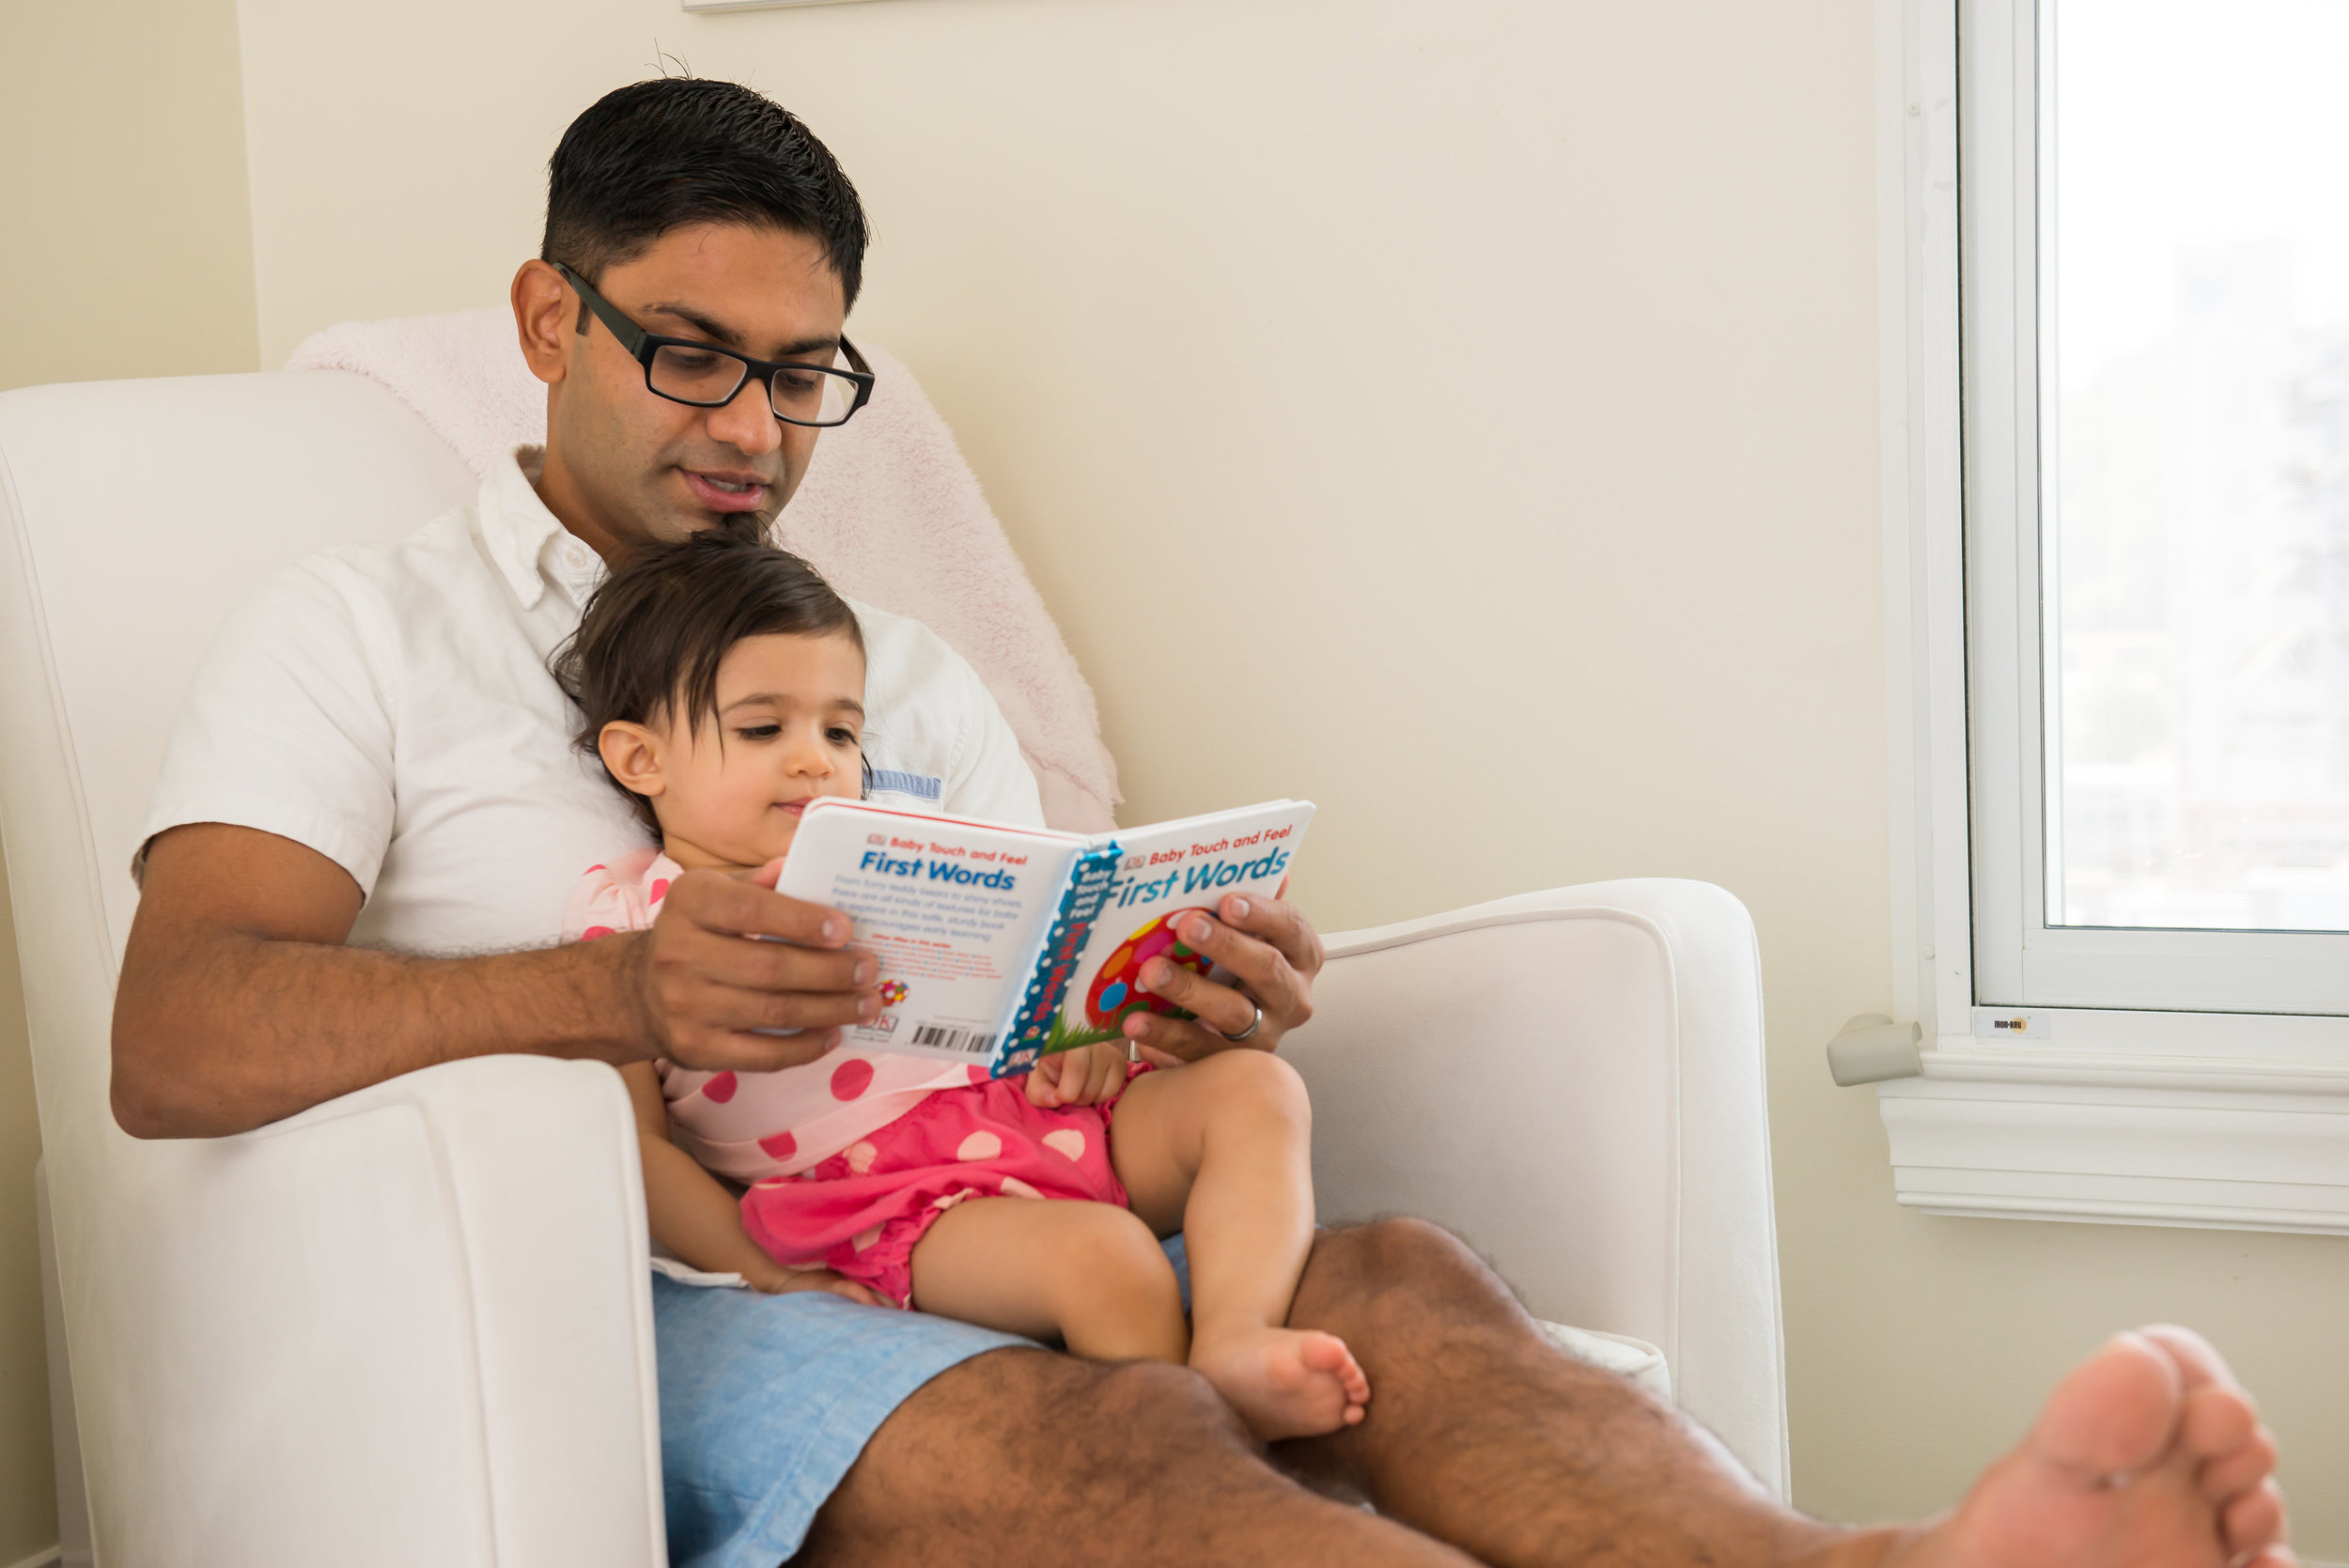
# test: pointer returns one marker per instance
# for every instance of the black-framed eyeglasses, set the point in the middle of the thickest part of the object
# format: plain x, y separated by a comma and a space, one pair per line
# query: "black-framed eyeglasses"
686, 371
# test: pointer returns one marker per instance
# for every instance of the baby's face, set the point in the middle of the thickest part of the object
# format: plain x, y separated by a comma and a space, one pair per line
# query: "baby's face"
789, 727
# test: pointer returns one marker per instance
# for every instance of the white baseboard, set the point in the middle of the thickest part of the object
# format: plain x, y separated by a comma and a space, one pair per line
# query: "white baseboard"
55, 1555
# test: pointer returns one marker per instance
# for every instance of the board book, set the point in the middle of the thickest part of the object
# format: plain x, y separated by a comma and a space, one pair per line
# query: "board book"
998, 944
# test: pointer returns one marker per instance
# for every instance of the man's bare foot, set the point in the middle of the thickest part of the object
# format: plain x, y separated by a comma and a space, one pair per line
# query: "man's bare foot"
1283, 1382
2148, 1455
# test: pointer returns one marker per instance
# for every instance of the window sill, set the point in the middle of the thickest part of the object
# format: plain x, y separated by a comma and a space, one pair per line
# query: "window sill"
2119, 1138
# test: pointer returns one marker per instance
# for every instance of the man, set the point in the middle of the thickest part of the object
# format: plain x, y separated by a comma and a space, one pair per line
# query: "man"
373, 768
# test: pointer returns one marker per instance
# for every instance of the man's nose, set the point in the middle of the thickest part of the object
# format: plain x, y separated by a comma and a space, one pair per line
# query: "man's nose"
748, 423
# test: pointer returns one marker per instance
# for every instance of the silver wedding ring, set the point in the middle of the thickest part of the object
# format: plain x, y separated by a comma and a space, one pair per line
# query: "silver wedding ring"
1253, 1024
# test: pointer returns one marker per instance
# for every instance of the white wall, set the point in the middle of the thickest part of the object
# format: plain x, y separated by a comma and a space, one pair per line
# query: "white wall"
125, 250
1463, 414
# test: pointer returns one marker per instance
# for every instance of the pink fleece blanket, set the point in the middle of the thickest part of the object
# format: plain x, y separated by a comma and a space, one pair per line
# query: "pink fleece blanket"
889, 512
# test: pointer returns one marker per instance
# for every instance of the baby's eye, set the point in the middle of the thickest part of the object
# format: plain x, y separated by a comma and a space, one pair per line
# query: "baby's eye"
759, 732
841, 735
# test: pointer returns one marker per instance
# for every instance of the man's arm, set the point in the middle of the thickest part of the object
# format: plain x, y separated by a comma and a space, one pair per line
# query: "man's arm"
239, 1004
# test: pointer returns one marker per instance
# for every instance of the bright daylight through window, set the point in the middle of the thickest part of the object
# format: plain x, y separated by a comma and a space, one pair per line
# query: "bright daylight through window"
2194, 464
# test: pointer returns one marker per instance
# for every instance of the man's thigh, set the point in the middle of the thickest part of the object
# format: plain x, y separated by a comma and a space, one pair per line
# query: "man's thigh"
766, 1401
1031, 1459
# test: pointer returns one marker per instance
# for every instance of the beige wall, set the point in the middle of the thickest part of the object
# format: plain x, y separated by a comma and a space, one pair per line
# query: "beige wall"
126, 250
1462, 414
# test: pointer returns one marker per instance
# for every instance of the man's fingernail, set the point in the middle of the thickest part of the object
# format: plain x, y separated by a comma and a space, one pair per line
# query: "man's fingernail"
867, 971
868, 1009
1199, 931
835, 930
1239, 909
1135, 1026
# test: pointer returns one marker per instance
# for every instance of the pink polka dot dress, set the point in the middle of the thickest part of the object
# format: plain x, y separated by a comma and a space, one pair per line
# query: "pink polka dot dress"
850, 1158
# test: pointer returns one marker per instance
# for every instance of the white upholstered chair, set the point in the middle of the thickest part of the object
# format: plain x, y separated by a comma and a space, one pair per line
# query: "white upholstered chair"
413, 1324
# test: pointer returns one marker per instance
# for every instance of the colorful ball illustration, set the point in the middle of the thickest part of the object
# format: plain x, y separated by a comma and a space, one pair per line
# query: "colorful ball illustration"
892, 992
1116, 990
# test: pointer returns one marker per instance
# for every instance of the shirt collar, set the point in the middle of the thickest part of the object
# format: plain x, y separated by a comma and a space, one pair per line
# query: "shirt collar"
527, 543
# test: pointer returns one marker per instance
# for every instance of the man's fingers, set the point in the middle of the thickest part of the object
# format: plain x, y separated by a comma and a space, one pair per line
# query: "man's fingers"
1220, 1007
718, 901
742, 1052
1279, 923
1172, 1042
1262, 967
755, 966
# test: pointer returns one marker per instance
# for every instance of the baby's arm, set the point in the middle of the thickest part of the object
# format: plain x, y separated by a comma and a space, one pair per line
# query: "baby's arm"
692, 1214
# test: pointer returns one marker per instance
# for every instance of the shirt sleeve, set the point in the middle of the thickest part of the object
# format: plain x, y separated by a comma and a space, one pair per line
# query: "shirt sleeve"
289, 726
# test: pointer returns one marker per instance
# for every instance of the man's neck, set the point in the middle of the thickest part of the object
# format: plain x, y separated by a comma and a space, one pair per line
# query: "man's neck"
560, 495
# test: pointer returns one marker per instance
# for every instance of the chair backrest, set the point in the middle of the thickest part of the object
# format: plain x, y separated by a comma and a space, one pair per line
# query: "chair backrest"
133, 516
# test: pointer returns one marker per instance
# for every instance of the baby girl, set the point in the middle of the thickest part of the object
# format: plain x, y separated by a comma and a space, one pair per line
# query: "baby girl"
722, 683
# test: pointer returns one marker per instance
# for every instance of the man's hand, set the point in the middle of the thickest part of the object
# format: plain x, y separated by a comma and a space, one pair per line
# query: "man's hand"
1089, 1075
728, 956
1273, 952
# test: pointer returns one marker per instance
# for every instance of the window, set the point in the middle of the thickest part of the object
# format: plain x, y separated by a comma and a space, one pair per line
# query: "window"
2117, 395
2156, 308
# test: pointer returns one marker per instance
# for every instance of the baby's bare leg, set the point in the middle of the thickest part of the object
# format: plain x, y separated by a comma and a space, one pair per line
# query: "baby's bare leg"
1091, 1274
1221, 1149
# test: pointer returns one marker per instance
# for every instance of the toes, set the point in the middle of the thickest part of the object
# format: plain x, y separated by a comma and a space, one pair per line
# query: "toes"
1323, 1352
2255, 1519
2217, 1420
2114, 1413
2196, 1355
2240, 1468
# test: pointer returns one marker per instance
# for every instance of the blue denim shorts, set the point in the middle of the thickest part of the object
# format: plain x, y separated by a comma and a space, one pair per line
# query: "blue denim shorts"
767, 1400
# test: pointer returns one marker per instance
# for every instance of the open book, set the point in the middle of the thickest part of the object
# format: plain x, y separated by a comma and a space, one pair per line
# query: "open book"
999, 944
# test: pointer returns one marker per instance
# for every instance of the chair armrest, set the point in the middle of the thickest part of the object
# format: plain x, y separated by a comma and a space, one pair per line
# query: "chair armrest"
1572, 1081
411, 1325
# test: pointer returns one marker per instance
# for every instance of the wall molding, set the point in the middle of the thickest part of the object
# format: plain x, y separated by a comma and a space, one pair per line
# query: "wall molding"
2123, 1140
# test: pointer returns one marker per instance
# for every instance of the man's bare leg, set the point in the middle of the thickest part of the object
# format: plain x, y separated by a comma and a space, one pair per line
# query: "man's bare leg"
1028, 1459
1484, 1436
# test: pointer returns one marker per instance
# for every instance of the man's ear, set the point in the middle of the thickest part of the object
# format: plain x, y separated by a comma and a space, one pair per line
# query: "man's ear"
543, 308
631, 753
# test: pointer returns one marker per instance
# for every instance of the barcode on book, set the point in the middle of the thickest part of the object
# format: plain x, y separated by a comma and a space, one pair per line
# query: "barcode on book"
965, 1040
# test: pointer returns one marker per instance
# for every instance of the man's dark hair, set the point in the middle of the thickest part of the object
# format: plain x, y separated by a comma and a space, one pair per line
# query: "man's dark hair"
650, 642
655, 156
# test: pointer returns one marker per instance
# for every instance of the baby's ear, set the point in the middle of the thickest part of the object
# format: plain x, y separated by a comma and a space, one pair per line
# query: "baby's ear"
631, 753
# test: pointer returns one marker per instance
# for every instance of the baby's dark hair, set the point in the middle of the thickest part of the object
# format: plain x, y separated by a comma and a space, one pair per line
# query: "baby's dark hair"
653, 636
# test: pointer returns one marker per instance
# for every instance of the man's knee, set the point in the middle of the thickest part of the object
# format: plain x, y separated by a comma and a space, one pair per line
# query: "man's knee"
1394, 1276
1033, 1415
1399, 1252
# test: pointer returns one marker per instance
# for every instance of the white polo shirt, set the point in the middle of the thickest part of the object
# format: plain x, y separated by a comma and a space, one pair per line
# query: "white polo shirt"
390, 707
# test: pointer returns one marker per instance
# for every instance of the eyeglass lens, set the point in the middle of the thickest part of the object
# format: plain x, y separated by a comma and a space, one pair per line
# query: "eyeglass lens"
704, 376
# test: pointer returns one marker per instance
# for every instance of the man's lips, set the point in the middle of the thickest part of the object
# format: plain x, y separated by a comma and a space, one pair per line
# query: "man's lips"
717, 492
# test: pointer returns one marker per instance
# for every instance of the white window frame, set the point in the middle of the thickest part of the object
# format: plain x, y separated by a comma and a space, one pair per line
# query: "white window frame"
2238, 1120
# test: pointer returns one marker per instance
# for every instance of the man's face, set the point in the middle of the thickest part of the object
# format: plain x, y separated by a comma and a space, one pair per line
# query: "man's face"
625, 465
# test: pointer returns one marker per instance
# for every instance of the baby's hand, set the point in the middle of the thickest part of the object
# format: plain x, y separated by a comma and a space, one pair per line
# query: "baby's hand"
781, 1281
1090, 1075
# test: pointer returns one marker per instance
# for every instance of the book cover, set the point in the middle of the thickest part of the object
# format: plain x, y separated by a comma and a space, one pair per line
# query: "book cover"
999, 944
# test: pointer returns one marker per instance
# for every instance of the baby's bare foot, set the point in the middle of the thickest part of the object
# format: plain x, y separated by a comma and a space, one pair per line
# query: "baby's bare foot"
1283, 1382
